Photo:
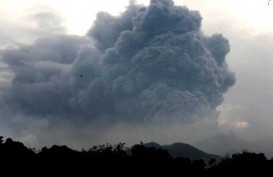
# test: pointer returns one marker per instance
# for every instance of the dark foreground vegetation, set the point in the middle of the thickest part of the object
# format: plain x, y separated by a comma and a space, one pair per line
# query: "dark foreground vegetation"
115, 160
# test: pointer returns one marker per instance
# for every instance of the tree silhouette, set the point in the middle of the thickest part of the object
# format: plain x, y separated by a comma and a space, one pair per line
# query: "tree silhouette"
116, 160
211, 162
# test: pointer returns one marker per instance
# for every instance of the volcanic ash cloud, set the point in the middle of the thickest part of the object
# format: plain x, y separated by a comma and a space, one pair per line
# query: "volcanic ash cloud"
150, 63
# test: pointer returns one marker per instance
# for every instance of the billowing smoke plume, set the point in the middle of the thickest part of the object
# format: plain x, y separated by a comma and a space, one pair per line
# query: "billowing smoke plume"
150, 63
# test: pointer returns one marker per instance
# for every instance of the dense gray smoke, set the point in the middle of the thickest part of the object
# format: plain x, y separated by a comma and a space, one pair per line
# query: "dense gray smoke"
148, 64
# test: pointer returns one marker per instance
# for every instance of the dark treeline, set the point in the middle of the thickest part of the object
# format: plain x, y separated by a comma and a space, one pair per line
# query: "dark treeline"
115, 160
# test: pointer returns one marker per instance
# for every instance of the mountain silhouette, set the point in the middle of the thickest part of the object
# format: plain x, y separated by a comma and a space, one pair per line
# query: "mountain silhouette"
185, 150
222, 144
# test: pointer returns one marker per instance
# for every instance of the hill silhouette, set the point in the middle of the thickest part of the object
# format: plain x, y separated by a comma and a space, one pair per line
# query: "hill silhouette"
222, 144
16, 159
186, 151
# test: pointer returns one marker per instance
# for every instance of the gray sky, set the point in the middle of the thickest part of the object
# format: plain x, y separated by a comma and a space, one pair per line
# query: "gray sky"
247, 24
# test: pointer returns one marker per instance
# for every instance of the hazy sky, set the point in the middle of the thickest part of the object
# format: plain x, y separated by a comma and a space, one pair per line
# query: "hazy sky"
247, 24
77, 16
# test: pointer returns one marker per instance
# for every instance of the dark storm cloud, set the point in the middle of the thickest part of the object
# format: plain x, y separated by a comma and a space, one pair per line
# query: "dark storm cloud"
151, 63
